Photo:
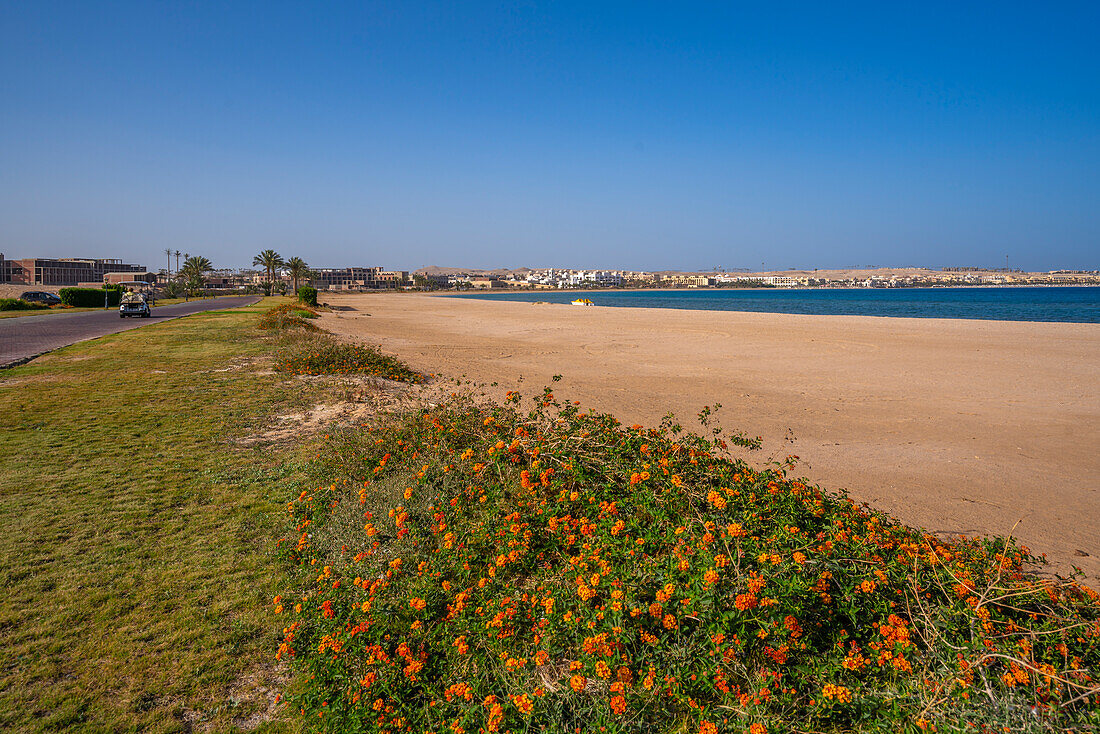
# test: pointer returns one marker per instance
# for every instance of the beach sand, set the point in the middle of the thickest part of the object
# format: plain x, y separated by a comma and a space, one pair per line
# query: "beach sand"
959, 427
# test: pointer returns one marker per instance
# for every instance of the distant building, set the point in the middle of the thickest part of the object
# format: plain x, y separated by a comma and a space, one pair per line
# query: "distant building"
129, 277
358, 278
688, 281
595, 277
62, 271
487, 283
5, 269
780, 281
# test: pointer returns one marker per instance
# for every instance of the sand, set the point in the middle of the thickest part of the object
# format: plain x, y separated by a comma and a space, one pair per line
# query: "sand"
959, 427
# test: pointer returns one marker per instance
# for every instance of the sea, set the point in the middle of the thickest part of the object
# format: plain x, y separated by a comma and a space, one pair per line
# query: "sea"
1073, 304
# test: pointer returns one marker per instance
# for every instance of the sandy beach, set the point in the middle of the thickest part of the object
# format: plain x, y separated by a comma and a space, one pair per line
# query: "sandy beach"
960, 427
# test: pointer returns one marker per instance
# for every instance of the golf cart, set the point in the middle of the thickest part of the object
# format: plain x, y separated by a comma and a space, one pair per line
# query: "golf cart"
137, 300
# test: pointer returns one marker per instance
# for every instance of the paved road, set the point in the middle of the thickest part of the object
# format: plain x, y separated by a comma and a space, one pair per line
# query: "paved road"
26, 337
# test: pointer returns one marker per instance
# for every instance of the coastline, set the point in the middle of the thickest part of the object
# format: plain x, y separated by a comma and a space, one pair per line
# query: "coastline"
959, 426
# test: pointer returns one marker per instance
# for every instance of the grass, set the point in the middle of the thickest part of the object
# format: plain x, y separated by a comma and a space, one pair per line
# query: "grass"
136, 558
47, 311
181, 299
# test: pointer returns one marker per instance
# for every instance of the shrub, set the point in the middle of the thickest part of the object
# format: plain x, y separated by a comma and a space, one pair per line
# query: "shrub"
307, 294
89, 297
18, 304
174, 289
346, 359
473, 568
288, 316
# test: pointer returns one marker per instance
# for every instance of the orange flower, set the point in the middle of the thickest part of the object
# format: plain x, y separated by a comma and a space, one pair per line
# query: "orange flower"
417, 603
618, 705
577, 683
840, 693
524, 703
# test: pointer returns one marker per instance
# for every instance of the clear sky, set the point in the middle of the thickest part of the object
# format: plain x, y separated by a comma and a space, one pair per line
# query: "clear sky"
592, 134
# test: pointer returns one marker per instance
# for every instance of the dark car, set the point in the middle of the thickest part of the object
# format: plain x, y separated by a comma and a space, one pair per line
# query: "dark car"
41, 297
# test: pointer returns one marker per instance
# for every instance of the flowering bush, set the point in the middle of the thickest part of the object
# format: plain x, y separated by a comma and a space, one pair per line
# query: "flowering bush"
470, 568
347, 359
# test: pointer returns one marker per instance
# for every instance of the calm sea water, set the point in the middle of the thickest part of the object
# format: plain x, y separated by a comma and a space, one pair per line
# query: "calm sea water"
1063, 303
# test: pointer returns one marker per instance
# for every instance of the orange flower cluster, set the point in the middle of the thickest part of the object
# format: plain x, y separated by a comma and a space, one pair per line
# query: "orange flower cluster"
838, 693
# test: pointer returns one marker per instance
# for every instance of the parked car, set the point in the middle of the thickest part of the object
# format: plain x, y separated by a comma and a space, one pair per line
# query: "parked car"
45, 297
134, 304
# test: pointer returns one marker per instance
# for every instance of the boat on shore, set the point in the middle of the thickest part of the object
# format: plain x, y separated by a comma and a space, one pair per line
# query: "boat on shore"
582, 302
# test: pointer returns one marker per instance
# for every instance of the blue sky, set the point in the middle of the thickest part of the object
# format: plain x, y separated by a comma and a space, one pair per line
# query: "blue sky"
627, 135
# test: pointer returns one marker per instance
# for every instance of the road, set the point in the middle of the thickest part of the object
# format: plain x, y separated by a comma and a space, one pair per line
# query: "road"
26, 337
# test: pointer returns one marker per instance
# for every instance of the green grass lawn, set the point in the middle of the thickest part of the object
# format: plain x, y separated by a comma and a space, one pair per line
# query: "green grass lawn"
136, 560
173, 301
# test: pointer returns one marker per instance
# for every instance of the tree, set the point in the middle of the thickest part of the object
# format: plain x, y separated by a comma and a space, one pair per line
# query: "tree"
177, 254
424, 282
269, 260
298, 270
193, 270
168, 252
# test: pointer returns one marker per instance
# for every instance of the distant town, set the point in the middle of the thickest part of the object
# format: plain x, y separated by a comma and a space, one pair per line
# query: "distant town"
275, 275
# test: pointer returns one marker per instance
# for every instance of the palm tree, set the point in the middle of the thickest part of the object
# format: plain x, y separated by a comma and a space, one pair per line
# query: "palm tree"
168, 252
269, 260
177, 253
298, 270
193, 269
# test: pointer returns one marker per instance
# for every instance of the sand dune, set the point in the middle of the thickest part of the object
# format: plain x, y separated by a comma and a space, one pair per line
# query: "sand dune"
956, 426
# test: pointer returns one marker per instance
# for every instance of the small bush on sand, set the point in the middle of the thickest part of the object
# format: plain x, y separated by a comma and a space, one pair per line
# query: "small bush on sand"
289, 316
475, 569
307, 294
348, 359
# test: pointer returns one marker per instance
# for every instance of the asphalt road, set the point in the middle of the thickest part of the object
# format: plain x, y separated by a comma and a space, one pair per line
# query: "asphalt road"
26, 337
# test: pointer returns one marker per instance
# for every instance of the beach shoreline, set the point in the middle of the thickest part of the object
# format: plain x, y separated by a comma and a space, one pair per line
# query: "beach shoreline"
959, 426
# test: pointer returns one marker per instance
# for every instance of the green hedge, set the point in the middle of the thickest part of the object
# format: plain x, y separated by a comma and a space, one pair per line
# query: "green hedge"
307, 294
18, 304
89, 297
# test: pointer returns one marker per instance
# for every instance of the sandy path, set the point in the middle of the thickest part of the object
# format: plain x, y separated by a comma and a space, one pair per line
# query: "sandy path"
956, 426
